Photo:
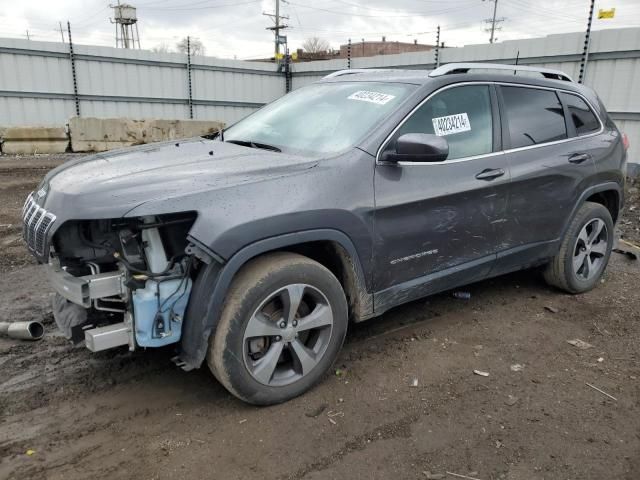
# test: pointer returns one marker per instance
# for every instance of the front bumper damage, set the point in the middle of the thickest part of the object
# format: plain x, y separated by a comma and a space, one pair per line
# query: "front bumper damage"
85, 291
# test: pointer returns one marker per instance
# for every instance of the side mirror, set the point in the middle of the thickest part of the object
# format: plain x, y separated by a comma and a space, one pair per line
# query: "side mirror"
418, 147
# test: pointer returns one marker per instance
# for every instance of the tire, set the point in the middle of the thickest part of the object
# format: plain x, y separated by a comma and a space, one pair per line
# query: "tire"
579, 264
252, 355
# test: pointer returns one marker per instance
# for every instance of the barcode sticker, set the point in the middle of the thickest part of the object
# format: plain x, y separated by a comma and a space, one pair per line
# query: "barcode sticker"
372, 97
451, 124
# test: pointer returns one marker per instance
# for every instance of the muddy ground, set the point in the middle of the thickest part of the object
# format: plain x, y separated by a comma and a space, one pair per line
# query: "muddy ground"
117, 414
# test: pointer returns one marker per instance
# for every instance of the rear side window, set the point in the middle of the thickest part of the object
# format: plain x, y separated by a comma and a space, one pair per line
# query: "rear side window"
581, 115
462, 115
534, 116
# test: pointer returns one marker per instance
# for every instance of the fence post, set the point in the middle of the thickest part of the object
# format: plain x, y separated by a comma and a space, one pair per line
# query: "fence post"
189, 77
74, 76
587, 41
438, 47
287, 72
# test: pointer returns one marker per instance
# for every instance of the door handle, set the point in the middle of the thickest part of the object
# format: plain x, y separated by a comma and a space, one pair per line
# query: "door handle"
490, 174
578, 158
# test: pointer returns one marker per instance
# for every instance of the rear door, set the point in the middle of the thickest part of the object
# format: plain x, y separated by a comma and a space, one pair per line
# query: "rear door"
549, 167
437, 224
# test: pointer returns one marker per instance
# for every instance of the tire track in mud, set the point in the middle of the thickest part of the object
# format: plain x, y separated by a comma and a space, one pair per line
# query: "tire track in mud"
400, 428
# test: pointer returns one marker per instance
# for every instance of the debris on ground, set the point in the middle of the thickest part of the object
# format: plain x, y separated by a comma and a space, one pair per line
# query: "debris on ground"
30, 452
551, 309
601, 391
581, 344
433, 476
462, 295
318, 411
481, 373
414, 383
511, 400
462, 476
30, 330
630, 250
517, 367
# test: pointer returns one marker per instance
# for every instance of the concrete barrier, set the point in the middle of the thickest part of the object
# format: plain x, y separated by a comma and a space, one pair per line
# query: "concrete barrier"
100, 134
30, 140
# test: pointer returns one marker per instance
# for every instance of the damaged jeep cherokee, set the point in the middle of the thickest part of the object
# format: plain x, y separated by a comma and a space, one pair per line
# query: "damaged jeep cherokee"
253, 249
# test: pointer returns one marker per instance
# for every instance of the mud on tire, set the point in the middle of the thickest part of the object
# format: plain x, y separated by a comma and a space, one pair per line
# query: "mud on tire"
282, 326
584, 252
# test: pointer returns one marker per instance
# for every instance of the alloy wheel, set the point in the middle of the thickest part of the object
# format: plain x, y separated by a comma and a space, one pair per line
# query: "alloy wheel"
287, 335
590, 249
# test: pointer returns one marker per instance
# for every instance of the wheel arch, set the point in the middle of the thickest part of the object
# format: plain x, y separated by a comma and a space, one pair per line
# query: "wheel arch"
610, 199
329, 247
605, 192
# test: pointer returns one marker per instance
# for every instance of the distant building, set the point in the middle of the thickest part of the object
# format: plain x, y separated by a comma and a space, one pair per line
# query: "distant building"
371, 49
302, 56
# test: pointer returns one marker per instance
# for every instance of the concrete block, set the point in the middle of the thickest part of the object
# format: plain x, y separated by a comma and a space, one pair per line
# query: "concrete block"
31, 140
100, 134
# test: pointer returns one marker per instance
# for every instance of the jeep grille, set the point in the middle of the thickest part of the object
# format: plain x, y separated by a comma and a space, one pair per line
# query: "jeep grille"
36, 224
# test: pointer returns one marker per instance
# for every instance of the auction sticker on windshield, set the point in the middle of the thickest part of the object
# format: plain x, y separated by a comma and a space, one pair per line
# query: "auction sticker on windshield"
451, 124
372, 97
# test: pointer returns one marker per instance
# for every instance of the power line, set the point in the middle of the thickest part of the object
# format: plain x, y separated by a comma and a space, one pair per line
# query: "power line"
351, 14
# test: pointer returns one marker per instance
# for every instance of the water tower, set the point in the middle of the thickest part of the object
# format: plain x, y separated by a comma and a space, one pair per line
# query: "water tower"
126, 22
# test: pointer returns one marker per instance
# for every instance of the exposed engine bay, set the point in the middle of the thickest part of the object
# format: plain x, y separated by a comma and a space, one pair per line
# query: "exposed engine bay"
122, 281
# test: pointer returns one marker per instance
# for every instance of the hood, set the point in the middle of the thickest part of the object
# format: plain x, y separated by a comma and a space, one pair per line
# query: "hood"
112, 183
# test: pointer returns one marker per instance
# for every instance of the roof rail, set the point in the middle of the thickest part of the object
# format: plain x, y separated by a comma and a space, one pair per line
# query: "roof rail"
351, 71
465, 67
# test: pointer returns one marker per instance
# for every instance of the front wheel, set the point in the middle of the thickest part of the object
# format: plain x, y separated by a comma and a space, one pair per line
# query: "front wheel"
281, 328
584, 252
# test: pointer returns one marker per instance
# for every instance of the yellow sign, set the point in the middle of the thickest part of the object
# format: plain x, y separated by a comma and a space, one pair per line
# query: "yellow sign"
294, 56
603, 14
279, 56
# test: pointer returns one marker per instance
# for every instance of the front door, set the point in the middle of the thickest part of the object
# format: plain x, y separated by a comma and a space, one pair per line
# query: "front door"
438, 224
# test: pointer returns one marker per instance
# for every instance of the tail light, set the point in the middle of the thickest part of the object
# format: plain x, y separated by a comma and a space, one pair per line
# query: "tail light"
625, 141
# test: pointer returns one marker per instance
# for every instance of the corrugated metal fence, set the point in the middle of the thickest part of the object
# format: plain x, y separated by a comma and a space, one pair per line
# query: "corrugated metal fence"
36, 84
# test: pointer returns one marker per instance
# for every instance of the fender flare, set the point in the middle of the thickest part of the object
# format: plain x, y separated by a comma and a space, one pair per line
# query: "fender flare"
206, 302
602, 187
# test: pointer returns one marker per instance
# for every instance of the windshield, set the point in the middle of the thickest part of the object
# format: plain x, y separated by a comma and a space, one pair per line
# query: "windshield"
321, 118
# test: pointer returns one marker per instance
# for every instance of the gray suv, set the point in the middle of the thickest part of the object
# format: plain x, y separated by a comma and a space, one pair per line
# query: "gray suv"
254, 249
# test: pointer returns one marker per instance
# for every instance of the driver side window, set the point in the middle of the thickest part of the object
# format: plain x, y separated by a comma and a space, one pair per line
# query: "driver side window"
462, 115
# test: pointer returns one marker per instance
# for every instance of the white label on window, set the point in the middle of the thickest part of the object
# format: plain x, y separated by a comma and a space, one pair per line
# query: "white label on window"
451, 124
372, 97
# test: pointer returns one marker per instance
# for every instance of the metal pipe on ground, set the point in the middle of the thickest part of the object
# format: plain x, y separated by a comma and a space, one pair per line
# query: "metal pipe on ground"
22, 330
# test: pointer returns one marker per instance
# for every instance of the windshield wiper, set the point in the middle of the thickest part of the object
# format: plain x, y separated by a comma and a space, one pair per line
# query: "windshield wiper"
252, 144
212, 136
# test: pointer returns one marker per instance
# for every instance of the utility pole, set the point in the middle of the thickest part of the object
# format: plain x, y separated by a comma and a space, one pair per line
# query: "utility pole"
493, 21
587, 41
28, 37
61, 31
276, 17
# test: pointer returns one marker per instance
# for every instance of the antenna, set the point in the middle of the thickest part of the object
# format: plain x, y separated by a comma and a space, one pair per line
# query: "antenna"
126, 22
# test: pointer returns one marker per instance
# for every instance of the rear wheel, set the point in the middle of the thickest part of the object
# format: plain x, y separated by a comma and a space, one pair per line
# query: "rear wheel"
282, 326
584, 252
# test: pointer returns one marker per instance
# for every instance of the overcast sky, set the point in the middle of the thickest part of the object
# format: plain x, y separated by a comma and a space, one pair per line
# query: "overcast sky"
231, 28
